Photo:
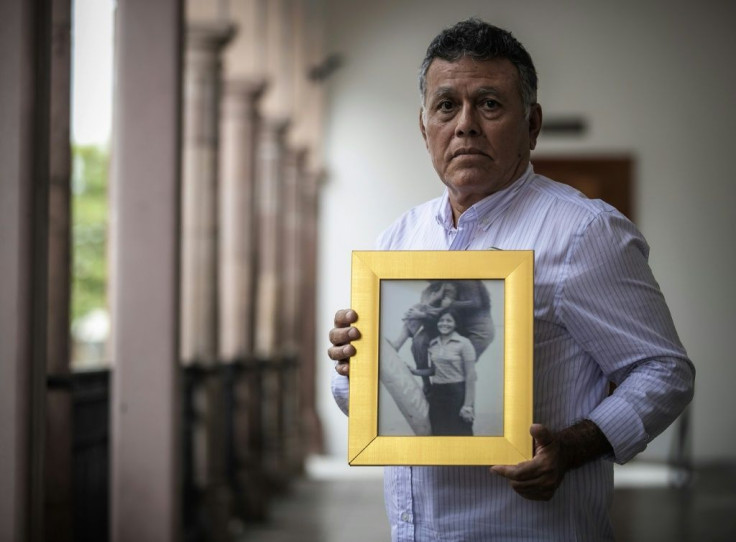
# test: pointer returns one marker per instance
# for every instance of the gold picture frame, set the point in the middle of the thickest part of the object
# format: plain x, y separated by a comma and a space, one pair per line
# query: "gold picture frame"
368, 443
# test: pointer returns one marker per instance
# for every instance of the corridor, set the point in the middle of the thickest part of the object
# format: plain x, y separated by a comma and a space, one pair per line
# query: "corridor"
335, 504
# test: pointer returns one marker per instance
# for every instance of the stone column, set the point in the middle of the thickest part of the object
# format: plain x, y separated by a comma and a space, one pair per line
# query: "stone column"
238, 241
200, 322
240, 130
269, 193
278, 56
307, 98
290, 312
58, 445
314, 441
202, 76
270, 249
291, 224
145, 201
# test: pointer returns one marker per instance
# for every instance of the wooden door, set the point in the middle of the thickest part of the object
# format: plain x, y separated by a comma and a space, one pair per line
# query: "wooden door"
599, 177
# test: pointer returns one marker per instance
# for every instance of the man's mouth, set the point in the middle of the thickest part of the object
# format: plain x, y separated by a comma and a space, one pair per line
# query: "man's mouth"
465, 151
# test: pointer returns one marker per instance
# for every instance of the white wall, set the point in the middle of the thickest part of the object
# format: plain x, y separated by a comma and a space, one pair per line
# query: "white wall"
653, 79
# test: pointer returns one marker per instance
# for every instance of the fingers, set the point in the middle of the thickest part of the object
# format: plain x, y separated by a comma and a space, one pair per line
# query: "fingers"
517, 474
343, 367
521, 472
538, 478
343, 335
529, 483
527, 470
536, 490
343, 332
340, 336
345, 317
541, 435
341, 352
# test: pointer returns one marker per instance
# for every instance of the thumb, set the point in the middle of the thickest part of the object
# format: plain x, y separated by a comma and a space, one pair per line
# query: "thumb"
541, 435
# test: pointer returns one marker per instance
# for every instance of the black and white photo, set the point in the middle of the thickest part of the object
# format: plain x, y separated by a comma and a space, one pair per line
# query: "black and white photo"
441, 358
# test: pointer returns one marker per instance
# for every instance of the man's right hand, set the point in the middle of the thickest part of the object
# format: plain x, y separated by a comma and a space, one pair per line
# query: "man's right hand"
340, 336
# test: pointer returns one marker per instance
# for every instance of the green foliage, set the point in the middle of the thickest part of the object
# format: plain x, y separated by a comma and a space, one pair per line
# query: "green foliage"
89, 229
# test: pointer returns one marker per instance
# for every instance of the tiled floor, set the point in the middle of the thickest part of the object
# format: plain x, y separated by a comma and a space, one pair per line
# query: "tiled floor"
326, 511
704, 513
334, 505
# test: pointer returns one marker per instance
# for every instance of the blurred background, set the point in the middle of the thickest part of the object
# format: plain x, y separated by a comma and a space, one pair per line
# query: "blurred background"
183, 183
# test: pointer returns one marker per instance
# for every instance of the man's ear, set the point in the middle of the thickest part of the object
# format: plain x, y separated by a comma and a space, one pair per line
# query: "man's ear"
535, 125
422, 128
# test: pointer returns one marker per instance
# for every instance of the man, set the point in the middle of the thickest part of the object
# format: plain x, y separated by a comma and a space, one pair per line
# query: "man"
599, 314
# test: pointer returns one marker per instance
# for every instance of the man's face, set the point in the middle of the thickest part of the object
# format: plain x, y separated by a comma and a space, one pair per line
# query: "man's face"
474, 127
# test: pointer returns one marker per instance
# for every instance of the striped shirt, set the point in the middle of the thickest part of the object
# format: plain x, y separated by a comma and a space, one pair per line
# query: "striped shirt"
599, 317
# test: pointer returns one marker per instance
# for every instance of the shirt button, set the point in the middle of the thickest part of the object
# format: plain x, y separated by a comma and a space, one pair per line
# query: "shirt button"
405, 517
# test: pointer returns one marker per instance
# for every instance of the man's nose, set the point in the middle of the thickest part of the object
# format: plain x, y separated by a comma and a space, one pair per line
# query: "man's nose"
467, 122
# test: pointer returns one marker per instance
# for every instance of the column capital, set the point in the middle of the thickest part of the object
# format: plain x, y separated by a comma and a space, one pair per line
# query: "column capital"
296, 156
301, 152
276, 125
209, 36
248, 88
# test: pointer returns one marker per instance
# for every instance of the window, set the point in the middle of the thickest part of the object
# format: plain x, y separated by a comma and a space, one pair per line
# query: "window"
92, 90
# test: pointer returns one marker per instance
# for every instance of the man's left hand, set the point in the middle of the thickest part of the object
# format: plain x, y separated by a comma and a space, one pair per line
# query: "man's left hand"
539, 478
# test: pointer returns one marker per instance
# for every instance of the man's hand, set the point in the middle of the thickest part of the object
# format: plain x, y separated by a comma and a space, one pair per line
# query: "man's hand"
340, 336
433, 311
554, 455
539, 478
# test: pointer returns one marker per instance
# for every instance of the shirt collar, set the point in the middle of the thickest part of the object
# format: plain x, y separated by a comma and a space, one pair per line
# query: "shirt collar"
484, 209
454, 337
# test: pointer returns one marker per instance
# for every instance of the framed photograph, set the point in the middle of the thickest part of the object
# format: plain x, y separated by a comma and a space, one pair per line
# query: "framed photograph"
443, 372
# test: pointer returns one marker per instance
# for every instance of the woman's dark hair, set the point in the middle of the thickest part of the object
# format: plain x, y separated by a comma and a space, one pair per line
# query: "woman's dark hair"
459, 326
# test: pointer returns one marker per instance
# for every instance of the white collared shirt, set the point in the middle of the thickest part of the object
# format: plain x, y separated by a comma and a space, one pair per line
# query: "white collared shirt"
599, 317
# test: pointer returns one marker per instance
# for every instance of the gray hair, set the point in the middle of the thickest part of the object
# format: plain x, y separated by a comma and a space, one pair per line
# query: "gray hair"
482, 41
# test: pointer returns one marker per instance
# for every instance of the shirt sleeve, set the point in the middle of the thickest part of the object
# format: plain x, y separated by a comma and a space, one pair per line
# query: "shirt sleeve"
340, 386
468, 352
613, 307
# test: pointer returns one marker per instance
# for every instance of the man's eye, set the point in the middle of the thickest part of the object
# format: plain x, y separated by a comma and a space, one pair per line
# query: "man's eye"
490, 104
444, 105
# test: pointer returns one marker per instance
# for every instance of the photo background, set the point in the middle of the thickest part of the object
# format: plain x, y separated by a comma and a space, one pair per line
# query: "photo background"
396, 298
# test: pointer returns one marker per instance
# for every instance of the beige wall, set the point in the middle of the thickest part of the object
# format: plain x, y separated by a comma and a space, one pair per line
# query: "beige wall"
655, 80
